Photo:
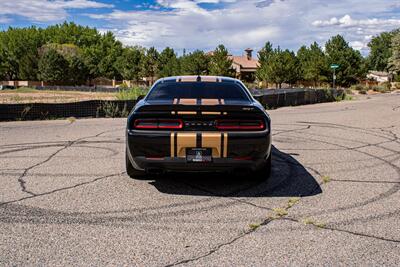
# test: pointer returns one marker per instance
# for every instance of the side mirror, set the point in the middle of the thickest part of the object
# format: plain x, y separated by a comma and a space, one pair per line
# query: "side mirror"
140, 97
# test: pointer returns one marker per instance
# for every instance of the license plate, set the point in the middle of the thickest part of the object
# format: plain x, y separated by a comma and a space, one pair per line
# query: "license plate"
198, 155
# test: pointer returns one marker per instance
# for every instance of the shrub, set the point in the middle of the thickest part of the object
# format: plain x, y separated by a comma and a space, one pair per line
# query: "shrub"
131, 93
111, 110
358, 87
381, 88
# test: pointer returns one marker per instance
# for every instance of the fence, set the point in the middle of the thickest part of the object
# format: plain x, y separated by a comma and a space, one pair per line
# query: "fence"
115, 108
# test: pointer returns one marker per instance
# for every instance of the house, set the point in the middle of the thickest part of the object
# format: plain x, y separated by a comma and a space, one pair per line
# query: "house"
379, 76
245, 66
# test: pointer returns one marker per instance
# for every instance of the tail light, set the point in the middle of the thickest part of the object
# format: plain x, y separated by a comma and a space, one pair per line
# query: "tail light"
240, 125
158, 124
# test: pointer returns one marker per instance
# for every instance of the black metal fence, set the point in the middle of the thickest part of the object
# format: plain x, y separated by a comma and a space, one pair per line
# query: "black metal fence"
78, 88
121, 108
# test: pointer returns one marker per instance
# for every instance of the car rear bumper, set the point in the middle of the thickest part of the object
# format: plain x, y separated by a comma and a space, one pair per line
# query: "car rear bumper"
163, 150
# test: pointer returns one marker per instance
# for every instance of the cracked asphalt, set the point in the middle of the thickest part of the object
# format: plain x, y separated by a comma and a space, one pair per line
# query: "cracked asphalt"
332, 199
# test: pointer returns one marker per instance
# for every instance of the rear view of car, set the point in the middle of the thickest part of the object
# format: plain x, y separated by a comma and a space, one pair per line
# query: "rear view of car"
198, 123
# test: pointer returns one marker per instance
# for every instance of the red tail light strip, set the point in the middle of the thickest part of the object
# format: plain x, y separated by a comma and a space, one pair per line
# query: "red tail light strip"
240, 125
158, 124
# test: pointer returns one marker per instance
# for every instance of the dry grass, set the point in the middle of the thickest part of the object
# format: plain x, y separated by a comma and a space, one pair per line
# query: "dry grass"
280, 212
254, 226
325, 179
309, 221
29, 95
71, 119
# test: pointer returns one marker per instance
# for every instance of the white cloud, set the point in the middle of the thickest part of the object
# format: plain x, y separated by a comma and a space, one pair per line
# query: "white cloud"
250, 23
46, 10
347, 21
236, 23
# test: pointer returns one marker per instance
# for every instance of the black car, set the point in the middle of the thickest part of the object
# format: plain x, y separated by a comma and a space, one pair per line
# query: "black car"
198, 123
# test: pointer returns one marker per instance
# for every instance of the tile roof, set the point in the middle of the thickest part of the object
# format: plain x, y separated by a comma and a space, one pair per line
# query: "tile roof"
244, 62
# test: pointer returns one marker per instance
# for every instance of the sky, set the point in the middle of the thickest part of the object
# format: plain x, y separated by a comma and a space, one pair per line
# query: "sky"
203, 24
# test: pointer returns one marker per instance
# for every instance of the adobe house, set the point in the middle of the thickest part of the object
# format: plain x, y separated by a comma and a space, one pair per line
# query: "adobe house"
245, 66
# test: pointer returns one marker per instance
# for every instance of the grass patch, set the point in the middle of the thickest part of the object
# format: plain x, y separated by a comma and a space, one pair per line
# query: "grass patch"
112, 110
309, 221
280, 212
71, 119
326, 179
292, 201
254, 226
131, 93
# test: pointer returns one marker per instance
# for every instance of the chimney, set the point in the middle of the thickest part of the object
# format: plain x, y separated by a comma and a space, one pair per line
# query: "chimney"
248, 53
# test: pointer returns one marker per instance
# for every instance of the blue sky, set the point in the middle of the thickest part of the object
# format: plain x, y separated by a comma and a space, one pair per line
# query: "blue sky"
203, 24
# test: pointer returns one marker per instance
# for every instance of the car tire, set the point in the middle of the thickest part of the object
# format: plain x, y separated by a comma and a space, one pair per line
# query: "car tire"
265, 171
131, 171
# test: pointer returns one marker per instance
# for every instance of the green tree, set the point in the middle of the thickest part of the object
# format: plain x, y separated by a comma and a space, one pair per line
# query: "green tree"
351, 63
150, 64
168, 63
394, 60
77, 70
380, 51
313, 64
282, 67
129, 63
264, 56
220, 63
53, 67
109, 50
195, 63
18, 48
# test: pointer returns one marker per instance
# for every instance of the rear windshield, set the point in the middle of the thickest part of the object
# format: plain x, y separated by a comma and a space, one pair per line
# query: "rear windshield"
198, 90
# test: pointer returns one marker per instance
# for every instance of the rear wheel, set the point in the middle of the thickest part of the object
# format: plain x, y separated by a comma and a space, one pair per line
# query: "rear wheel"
265, 171
131, 171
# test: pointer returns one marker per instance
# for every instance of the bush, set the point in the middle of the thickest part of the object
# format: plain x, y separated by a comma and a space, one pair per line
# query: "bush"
381, 88
363, 91
387, 85
131, 93
111, 110
358, 87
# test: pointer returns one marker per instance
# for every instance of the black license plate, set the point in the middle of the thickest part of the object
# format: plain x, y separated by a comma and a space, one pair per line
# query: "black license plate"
198, 155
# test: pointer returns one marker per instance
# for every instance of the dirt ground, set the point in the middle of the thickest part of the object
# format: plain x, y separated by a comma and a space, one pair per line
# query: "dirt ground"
26, 95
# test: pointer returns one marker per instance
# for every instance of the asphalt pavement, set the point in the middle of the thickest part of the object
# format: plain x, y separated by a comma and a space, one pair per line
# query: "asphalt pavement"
332, 199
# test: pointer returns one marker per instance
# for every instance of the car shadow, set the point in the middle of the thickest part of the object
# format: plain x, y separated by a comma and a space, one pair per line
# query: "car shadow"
288, 178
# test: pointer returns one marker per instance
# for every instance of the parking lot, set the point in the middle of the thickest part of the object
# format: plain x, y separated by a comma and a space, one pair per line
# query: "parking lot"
333, 197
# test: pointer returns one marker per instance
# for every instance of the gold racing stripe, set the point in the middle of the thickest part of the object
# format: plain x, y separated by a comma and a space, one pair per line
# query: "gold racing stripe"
172, 142
213, 141
209, 78
187, 112
218, 142
185, 140
225, 145
186, 79
188, 101
211, 113
209, 102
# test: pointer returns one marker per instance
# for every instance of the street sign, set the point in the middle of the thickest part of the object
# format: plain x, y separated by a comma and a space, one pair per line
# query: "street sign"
334, 66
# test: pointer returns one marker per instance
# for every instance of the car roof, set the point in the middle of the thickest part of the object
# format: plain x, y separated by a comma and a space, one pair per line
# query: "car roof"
200, 78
